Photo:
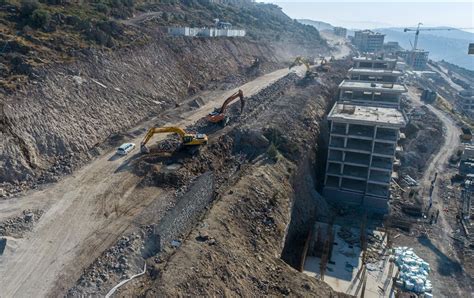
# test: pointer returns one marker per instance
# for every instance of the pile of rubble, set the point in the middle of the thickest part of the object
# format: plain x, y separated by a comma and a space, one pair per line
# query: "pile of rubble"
63, 165
117, 263
422, 141
19, 225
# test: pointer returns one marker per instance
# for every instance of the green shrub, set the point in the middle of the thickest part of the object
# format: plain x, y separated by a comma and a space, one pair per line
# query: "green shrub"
101, 7
110, 28
121, 12
272, 152
40, 18
98, 36
55, 2
27, 7
83, 25
115, 3
128, 3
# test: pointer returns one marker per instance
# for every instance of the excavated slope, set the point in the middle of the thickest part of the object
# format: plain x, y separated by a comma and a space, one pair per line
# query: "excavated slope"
53, 124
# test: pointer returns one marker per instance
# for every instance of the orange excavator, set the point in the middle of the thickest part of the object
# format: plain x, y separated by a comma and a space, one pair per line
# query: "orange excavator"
219, 116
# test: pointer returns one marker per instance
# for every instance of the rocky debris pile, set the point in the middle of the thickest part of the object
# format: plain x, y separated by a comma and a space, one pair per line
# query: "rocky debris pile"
62, 165
253, 105
171, 144
250, 141
19, 225
422, 141
177, 169
117, 263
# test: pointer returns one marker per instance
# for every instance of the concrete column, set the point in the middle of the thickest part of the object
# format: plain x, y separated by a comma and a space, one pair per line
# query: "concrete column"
329, 151
371, 157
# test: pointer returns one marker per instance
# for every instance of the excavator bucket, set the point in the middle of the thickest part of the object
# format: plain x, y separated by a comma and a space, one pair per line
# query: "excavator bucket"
144, 149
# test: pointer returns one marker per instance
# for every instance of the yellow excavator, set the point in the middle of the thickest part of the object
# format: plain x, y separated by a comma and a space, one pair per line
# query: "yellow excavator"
187, 139
299, 61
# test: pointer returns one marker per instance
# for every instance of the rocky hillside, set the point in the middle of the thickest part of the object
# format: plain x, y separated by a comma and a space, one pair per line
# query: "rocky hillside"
65, 91
34, 34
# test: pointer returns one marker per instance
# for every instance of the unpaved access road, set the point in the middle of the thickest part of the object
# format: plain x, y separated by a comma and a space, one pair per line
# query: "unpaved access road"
443, 73
86, 212
436, 248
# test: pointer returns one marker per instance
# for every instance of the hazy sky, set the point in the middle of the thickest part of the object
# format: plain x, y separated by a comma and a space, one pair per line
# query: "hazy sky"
372, 14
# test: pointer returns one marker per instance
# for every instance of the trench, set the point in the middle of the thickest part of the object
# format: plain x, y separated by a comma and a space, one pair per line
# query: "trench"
308, 205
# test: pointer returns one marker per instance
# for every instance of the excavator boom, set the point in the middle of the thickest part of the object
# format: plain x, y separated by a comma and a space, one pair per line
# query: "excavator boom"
299, 61
187, 139
238, 94
218, 116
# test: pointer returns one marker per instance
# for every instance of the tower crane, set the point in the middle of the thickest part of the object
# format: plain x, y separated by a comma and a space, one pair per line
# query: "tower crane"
418, 29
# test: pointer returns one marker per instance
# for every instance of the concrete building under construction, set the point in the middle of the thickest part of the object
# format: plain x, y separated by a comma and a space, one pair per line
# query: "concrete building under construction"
374, 62
364, 130
361, 154
340, 31
374, 75
371, 93
368, 41
417, 59
466, 101
375, 69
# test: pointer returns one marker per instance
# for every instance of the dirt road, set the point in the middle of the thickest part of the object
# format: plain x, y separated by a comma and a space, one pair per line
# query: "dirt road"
443, 73
87, 211
437, 247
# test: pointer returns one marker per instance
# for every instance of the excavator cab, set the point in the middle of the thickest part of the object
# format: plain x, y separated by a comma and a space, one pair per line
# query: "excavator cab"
187, 139
215, 112
219, 116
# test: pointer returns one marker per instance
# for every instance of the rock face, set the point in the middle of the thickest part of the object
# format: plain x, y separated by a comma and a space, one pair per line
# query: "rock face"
52, 124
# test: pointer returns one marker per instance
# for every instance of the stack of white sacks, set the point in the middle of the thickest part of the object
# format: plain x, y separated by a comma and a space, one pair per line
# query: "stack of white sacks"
413, 271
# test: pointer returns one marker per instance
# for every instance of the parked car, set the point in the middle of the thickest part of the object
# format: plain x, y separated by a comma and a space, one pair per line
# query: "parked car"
125, 148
